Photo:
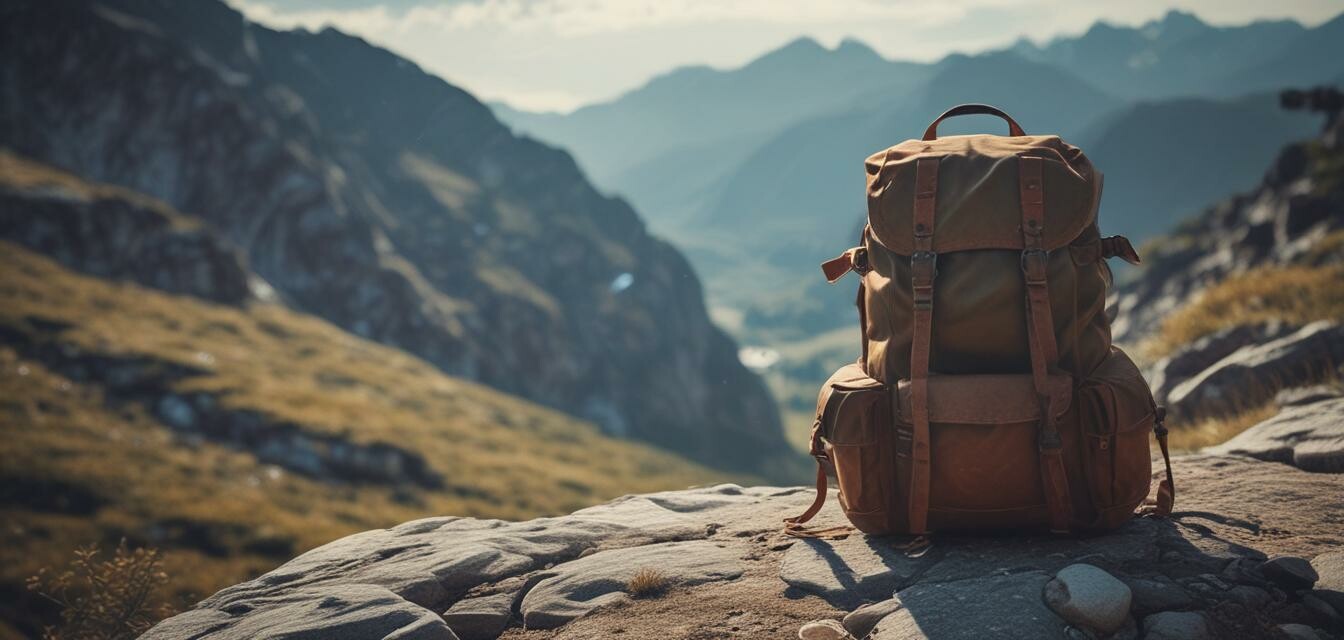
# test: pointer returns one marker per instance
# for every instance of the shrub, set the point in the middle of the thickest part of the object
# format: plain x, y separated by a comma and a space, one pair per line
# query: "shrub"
648, 583
105, 599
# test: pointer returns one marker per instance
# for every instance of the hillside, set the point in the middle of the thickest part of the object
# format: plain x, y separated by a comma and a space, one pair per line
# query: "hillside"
236, 437
380, 198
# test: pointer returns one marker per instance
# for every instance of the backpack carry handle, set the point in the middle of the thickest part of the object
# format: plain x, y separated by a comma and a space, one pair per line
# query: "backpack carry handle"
973, 109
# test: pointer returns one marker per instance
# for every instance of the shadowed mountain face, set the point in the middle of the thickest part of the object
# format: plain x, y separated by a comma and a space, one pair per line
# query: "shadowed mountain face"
390, 203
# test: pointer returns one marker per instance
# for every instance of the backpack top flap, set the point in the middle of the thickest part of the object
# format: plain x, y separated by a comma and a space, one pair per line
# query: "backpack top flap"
977, 199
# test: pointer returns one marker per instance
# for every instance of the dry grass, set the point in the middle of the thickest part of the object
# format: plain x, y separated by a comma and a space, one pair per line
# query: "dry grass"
1297, 295
113, 599
1208, 432
78, 469
648, 583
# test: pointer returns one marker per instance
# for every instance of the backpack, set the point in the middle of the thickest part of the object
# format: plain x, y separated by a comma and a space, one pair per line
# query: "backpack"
988, 394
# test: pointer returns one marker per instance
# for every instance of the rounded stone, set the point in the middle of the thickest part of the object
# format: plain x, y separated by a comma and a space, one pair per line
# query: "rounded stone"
1299, 631
823, 630
1290, 572
1089, 597
1176, 625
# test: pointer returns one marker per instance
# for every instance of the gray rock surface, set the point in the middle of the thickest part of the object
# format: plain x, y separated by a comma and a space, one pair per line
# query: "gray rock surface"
847, 572
480, 618
977, 608
1089, 597
1330, 585
1191, 359
580, 586
1176, 625
407, 581
1309, 436
1253, 373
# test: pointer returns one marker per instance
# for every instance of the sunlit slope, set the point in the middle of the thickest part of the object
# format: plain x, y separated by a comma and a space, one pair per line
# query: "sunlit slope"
82, 463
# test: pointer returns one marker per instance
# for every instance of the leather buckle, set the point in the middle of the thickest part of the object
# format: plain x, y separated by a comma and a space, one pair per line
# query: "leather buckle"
1048, 437
860, 259
1035, 264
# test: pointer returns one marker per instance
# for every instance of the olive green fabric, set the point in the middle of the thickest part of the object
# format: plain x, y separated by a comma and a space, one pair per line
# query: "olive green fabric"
979, 308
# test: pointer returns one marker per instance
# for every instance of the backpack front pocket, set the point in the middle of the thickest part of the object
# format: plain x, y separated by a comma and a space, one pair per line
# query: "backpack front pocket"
863, 443
1118, 412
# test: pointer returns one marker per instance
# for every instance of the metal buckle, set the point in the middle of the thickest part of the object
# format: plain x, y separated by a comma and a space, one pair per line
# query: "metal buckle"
923, 268
1035, 264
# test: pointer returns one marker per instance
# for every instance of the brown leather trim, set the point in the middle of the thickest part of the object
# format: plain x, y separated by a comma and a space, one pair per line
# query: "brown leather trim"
1041, 338
923, 269
986, 399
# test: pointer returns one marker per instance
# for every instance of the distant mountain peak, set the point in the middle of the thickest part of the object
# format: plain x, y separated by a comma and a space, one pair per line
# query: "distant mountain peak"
1176, 24
851, 46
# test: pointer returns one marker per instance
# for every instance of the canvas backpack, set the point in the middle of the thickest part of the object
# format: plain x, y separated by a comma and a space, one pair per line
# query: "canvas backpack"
988, 394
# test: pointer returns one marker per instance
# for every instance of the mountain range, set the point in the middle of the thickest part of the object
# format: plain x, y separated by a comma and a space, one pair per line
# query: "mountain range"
1175, 111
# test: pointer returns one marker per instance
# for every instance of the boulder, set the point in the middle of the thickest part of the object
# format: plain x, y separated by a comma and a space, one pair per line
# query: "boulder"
578, 587
1253, 373
1296, 631
1309, 436
1089, 597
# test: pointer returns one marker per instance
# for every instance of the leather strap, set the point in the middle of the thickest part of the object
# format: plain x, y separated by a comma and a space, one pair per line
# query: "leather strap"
855, 259
931, 133
794, 526
923, 270
1119, 247
1041, 340
1166, 489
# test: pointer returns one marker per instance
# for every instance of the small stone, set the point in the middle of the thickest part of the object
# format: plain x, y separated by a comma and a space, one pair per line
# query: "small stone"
1176, 625
1290, 572
1251, 597
1160, 593
823, 630
1218, 583
860, 622
1299, 631
1087, 596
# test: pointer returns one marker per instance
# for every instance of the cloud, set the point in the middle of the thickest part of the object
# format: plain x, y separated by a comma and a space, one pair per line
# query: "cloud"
580, 18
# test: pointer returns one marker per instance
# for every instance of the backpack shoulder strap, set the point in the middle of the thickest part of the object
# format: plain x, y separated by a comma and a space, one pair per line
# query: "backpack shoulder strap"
923, 269
1041, 339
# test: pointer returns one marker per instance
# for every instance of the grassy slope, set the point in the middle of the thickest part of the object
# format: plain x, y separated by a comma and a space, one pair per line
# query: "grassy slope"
81, 469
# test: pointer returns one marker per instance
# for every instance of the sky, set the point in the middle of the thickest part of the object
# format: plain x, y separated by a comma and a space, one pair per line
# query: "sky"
556, 55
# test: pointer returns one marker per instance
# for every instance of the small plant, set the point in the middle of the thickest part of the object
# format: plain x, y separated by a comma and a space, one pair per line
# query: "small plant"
648, 583
104, 599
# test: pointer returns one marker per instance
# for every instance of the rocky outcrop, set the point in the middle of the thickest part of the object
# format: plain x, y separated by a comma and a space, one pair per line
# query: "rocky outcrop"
116, 234
1215, 568
390, 203
1256, 372
1298, 203
1308, 435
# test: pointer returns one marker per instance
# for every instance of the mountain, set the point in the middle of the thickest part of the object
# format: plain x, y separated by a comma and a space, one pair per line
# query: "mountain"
1167, 159
1179, 56
366, 192
696, 123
